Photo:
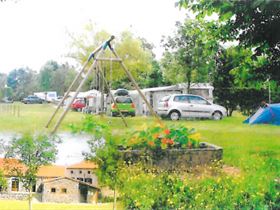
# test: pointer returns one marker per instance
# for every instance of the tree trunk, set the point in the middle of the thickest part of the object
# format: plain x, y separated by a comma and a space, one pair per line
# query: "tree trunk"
188, 77
102, 94
189, 86
115, 199
30, 198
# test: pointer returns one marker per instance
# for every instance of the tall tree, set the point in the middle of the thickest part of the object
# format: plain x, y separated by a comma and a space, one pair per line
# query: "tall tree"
22, 81
254, 24
32, 152
62, 78
136, 57
3, 79
153, 78
190, 52
224, 81
46, 75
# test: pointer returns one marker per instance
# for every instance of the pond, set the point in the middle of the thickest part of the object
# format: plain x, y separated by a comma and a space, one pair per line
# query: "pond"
70, 151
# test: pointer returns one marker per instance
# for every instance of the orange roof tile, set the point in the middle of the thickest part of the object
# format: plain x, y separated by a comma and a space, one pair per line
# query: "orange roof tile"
10, 166
83, 165
51, 171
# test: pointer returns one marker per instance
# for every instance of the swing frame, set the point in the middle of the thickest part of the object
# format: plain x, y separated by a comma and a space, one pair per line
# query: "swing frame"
95, 56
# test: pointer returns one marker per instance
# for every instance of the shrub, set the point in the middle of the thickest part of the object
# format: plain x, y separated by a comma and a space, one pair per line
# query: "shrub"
159, 137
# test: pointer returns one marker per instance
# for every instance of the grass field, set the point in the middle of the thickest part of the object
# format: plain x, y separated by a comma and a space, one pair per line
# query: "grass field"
20, 117
240, 141
23, 205
254, 150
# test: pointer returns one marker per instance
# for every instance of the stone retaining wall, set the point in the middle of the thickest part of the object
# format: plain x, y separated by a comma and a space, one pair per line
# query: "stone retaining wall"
13, 196
174, 159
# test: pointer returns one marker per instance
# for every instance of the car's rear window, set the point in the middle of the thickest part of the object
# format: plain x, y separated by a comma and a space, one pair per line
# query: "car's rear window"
165, 98
124, 100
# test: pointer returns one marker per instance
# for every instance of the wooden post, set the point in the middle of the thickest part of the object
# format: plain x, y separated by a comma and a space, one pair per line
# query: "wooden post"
76, 78
111, 95
74, 97
102, 94
18, 110
14, 110
67, 93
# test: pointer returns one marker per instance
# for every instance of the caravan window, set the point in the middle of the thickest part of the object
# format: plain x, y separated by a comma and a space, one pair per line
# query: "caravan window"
124, 100
52, 95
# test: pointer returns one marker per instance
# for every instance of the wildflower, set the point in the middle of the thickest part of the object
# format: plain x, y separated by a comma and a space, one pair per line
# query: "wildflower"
164, 141
151, 143
156, 136
166, 131
170, 141
189, 144
195, 136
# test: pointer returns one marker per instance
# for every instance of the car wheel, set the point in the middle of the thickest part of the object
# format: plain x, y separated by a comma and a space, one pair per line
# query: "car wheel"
174, 115
217, 115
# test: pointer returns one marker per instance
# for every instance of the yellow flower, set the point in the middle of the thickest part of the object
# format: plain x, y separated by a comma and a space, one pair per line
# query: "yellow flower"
143, 127
195, 136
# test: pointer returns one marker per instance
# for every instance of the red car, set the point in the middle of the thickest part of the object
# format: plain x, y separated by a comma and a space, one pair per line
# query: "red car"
78, 105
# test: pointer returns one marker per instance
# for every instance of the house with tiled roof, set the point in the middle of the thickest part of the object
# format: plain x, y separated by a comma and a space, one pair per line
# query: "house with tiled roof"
83, 171
73, 184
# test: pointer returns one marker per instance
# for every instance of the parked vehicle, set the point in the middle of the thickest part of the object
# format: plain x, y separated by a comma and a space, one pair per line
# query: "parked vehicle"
48, 96
177, 106
121, 92
32, 100
6, 100
125, 105
78, 104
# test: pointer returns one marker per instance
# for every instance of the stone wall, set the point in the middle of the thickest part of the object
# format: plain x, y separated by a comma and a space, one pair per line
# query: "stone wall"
72, 194
82, 174
175, 159
13, 196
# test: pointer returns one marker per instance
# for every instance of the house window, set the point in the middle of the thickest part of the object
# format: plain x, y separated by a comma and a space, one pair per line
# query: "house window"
34, 188
72, 172
88, 172
88, 180
63, 190
80, 172
81, 179
53, 190
15, 184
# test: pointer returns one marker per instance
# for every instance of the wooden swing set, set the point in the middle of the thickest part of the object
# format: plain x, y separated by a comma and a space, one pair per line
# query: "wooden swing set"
97, 67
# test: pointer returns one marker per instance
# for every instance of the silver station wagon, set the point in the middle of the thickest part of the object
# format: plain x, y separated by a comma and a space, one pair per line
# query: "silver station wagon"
178, 106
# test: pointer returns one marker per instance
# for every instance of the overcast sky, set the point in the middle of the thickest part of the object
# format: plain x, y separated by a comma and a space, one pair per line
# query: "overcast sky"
34, 31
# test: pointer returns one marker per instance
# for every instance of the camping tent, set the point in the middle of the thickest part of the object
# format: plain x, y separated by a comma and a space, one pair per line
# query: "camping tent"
266, 115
